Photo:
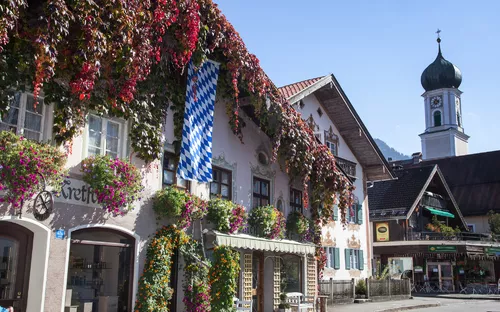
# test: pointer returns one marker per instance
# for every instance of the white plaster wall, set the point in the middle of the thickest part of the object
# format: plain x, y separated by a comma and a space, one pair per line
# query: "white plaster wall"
480, 223
461, 147
335, 229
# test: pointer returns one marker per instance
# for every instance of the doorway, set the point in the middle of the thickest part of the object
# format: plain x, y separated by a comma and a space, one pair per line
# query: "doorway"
441, 275
16, 243
258, 282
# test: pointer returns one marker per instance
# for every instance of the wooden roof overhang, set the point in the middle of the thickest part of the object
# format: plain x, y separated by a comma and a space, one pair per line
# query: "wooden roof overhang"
340, 110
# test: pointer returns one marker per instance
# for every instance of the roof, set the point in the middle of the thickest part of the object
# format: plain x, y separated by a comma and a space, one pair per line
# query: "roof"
400, 193
473, 179
397, 199
292, 89
345, 118
441, 74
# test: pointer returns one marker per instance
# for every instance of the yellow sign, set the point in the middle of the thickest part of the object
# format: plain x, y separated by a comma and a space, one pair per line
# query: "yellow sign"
382, 231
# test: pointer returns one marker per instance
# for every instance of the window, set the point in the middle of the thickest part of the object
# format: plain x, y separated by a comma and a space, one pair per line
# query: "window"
296, 200
354, 259
437, 118
169, 172
291, 270
101, 262
261, 192
332, 146
23, 118
221, 183
355, 214
332, 257
472, 228
103, 136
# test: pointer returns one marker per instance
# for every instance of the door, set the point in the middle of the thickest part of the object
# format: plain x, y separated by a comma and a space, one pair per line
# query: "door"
441, 275
258, 282
15, 259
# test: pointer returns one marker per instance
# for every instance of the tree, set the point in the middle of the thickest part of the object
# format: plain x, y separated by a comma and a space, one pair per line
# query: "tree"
494, 222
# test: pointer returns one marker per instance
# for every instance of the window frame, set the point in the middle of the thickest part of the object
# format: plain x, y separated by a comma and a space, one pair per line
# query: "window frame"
220, 184
175, 183
329, 144
355, 209
122, 133
294, 207
259, 195
21, 115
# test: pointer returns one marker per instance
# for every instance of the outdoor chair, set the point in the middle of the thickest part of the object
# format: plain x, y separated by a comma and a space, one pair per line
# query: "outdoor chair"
244, 305
299, 301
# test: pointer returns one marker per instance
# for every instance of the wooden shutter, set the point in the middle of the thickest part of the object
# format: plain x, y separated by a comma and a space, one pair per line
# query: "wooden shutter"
360, 213
361, 260
336, 264
335, 212
347, 259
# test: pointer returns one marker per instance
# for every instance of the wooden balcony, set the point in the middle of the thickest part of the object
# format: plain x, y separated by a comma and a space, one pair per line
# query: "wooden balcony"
348, 166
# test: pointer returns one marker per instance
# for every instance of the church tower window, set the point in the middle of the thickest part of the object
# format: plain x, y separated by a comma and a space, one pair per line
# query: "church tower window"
437, 118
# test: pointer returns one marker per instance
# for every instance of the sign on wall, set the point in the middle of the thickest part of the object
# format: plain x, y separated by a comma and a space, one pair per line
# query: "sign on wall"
439, 248
382, 231
77, 192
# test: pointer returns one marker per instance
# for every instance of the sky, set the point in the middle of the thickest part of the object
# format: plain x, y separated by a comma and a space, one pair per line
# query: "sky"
378, 50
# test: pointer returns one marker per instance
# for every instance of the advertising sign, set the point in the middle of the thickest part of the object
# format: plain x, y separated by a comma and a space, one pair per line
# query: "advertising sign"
382, 231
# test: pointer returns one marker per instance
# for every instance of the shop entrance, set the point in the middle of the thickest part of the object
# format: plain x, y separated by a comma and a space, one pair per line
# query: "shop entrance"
258, 281
16, 243
100, 271
441, 275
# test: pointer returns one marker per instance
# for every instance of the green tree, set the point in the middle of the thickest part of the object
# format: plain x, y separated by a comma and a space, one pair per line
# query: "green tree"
494, 222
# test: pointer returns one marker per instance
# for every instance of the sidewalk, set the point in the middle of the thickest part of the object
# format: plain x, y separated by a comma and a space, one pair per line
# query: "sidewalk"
389, 306
459, 296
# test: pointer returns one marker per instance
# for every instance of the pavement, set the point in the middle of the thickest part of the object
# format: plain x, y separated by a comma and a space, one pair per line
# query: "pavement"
427, 304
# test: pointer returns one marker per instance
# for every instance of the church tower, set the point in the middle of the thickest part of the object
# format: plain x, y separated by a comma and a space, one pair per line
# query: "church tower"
444, 131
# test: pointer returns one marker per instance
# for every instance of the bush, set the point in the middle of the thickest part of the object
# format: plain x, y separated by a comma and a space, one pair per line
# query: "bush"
494, 222
361, 287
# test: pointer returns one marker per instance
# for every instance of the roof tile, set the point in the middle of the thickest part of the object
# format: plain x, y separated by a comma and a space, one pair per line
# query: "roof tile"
292, 89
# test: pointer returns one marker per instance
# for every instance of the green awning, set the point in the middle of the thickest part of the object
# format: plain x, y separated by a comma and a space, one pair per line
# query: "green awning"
439, 212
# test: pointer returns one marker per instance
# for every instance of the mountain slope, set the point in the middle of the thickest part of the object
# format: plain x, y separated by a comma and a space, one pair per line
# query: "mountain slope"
390, 152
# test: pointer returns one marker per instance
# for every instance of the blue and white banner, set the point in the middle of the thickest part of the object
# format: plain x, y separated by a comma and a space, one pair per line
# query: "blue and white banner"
196, 147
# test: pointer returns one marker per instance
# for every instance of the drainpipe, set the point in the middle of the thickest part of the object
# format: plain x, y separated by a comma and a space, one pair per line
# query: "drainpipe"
369, 245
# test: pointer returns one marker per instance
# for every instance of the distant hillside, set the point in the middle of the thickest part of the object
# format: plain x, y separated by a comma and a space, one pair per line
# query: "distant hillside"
389, 152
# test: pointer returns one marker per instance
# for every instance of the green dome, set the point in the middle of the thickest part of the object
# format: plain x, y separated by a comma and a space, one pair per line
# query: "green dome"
441, 74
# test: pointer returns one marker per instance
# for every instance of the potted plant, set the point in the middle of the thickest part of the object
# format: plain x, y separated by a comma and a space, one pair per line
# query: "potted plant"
227, 216
284, 306
297, 225
360, 289
268, 222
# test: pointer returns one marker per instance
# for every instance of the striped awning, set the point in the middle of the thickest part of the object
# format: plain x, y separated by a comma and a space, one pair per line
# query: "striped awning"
245, 241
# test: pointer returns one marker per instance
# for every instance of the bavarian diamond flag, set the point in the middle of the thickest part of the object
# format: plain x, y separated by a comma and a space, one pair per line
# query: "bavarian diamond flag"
196, 147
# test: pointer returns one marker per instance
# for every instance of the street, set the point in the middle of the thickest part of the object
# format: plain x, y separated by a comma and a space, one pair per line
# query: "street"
427, 304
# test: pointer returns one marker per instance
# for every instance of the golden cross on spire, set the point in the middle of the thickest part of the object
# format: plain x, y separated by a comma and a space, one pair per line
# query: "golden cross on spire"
439, 37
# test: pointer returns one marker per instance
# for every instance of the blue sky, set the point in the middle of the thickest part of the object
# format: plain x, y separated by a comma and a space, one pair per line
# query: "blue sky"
378, 50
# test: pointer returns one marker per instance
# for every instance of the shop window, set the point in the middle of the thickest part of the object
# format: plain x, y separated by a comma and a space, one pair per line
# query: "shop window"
296, 200
170, 176
23, 118
261, 192
100, 270
221, 183
104, 136
291, 273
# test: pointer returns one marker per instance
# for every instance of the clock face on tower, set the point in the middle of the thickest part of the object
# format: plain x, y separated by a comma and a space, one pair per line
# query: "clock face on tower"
436, 102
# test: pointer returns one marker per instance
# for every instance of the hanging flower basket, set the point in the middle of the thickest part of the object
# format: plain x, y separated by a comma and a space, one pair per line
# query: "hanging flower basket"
116, 182
298, 225
227, 216
22, 165
268, 222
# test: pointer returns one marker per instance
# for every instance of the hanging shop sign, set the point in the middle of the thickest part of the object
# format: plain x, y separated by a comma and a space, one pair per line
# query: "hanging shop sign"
418, 269
492, 250
382, 231
440, 248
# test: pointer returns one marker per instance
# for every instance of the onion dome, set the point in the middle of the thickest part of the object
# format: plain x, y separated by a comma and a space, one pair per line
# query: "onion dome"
441, 74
